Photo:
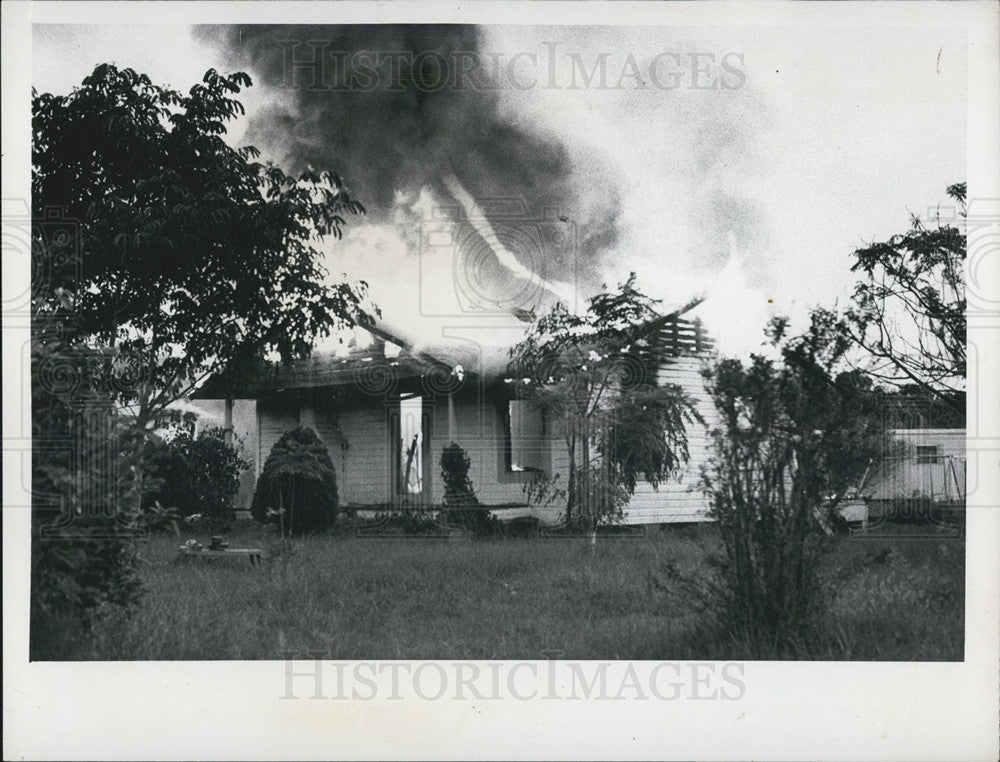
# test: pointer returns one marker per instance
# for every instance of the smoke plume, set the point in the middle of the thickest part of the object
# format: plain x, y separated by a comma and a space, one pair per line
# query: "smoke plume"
392, 139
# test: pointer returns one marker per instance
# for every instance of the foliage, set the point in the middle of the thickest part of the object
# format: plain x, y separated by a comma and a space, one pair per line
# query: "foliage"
407, 521
461, 506
188, 254
297, 487
599, 490
794, 436
196, 475
911, 406
157, 518
83, 531
79, 568
648, 438
597, 374
458, 489
159, 254
908, 313
543, 490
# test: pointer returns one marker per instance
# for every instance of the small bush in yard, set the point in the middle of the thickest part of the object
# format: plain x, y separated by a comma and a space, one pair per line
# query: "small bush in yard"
462, 507
195, 475
297, 488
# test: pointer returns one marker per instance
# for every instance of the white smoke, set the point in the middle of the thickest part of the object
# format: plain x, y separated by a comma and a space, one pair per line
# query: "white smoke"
478, 219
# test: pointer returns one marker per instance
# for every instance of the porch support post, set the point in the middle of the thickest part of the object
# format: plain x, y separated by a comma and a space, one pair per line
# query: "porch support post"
307, 414
451, 419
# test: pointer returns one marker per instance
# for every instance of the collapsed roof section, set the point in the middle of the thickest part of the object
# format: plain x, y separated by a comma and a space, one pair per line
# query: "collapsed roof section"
392, 358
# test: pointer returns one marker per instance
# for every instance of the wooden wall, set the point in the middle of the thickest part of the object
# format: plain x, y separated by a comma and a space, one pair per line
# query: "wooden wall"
679, 499
474, 422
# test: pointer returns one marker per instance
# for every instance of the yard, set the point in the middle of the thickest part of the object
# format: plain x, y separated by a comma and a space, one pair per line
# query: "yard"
898, 596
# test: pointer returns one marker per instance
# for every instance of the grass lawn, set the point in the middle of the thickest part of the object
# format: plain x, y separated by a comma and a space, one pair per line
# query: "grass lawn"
893, 598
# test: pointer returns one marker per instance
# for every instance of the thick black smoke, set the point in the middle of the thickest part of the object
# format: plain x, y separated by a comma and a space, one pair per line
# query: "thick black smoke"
402, 132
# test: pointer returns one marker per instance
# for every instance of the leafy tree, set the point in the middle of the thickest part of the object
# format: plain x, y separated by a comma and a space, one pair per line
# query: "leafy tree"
190, 255
297, 488
795, 435
159, 255
596, 374
908, 312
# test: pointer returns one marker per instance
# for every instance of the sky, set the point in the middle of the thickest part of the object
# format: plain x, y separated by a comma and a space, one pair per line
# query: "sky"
540, 185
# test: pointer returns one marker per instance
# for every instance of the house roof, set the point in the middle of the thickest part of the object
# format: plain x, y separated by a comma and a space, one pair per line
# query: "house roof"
370, 369
366, 367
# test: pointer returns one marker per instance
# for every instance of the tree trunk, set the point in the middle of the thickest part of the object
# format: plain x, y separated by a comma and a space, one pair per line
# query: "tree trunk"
588, 497
571, 479
134, 508
281, 508
228, 421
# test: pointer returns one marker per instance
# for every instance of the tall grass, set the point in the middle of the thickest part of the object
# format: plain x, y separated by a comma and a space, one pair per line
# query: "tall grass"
410, 599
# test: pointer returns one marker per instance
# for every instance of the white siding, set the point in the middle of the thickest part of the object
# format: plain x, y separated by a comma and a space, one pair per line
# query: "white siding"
680, 499
272, 423
476, 428
363, 469
906, 476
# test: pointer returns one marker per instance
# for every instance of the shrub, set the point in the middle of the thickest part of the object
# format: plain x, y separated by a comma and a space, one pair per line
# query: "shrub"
790, 438
408, 523
297, 488
83, 529
195, 475
81, 566
461, 505
763, 501
458, 489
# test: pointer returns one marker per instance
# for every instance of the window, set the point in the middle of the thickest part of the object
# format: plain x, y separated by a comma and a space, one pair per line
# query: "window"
409, 440
927, 454
526, 446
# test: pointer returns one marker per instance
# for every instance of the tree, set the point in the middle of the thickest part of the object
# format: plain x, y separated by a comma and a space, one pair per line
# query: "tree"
159, 254
597, 374
795, 435
189, 255
908, 313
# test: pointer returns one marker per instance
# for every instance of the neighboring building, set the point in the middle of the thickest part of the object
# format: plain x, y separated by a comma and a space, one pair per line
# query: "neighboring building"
930, 464
386, 414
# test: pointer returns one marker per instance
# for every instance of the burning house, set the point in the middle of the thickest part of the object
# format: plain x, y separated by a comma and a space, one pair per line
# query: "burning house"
386, 411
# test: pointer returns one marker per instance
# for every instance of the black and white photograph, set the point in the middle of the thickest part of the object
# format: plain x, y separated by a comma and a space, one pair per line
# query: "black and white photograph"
528, 359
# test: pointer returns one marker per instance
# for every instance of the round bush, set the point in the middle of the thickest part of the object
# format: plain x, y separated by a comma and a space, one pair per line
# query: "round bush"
297, 488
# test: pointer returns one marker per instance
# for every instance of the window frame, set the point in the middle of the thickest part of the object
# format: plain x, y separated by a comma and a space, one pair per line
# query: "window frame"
505, 445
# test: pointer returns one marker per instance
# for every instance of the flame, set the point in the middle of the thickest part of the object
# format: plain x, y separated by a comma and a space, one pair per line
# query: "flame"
734, 311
